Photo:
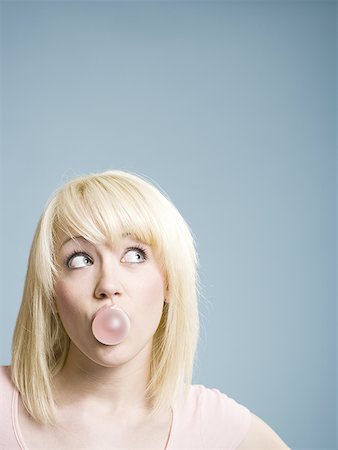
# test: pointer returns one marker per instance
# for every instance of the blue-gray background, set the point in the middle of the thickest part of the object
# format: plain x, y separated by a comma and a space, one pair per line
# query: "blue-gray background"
230, 107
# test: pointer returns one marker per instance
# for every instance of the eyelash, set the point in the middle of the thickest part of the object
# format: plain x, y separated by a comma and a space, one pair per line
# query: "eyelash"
77, 253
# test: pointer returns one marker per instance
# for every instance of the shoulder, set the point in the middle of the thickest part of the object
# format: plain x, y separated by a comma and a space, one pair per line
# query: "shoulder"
223, 422
6, 392
5, 378
261, 436
226, 423
6, 387
7, 437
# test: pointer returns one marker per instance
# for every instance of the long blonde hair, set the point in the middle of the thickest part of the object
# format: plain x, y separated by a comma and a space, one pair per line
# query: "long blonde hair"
100, 206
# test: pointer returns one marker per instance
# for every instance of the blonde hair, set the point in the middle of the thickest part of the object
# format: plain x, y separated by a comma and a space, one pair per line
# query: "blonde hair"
101, 206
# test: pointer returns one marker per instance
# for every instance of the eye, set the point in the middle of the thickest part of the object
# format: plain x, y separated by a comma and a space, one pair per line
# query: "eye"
78, 259
136, 254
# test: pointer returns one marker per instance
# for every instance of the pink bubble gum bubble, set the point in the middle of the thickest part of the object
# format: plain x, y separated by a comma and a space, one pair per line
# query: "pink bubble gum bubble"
110, 325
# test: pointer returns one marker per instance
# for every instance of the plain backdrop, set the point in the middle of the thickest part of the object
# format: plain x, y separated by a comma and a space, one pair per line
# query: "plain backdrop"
230, 108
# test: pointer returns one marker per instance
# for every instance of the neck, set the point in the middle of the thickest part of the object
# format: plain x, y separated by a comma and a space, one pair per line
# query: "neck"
104, 390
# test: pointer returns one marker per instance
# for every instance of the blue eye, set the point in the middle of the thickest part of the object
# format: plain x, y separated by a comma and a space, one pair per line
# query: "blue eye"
80, 256
139, 251
81, 259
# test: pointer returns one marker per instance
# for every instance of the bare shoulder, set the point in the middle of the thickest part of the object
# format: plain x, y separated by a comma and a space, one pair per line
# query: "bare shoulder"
261, 437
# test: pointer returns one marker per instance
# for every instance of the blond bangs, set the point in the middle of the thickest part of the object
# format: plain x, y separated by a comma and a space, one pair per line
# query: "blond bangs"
102, 212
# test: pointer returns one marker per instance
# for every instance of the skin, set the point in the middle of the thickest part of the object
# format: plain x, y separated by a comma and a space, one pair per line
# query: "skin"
107, 381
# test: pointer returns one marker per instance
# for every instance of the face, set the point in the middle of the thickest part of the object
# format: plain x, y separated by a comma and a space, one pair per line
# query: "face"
90, 276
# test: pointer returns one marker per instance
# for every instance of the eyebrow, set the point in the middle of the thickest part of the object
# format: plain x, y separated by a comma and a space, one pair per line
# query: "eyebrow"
81, 237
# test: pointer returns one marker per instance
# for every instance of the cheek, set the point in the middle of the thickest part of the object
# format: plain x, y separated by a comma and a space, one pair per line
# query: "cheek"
69, 289
67, 308
70, 313
151, 304
152, 287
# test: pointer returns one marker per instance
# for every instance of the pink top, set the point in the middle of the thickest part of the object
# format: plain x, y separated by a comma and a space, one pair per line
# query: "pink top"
208, 419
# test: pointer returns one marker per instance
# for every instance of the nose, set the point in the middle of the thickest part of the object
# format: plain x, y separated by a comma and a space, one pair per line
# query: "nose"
103, 293
107, 287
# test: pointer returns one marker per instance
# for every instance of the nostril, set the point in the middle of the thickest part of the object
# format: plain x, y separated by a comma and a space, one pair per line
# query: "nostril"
106, 294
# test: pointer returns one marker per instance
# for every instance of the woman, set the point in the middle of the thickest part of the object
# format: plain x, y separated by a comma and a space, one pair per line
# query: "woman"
104, 344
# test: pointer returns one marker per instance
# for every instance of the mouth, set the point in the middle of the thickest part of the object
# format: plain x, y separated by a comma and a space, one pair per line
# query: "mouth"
110, 325
99, 310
